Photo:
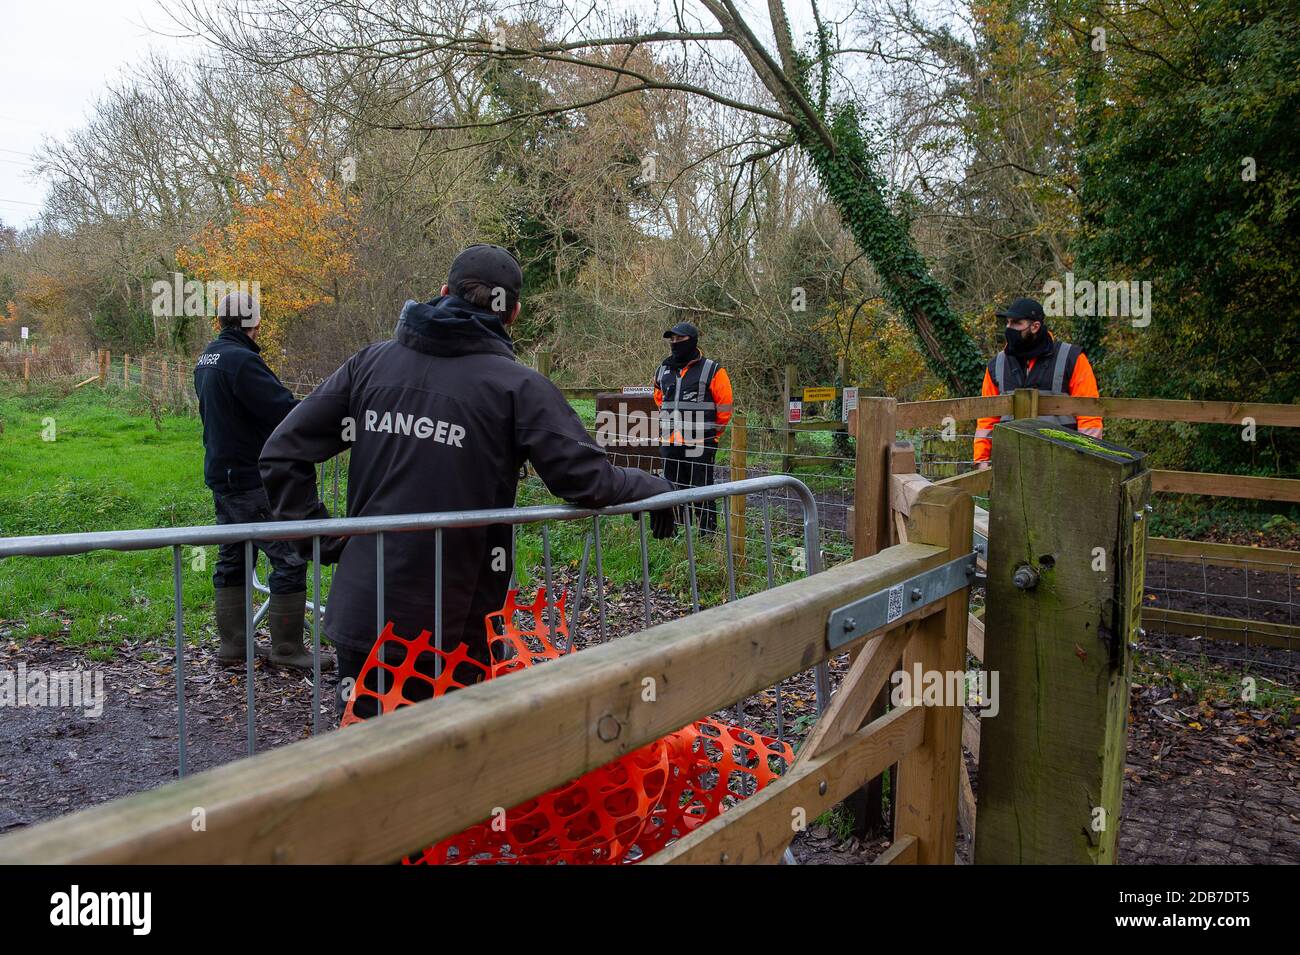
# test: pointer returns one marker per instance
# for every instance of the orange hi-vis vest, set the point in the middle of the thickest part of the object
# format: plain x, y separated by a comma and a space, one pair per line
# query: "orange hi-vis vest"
1066, 371
694, 403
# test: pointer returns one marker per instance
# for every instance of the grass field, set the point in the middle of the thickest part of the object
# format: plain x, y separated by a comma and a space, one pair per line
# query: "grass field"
100, 460
95, 460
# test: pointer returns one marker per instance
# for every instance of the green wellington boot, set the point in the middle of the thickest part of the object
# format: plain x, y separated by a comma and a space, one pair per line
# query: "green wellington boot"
230, 626
286, 617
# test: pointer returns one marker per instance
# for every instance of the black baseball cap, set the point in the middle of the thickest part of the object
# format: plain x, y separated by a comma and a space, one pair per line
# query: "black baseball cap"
1025, 308
683, 328
492, 265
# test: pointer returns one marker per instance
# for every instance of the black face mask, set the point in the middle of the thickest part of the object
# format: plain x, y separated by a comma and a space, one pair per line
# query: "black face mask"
1020, 343
684, 351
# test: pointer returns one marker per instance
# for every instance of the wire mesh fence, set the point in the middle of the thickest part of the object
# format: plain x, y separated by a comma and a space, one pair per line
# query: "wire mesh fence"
546, 538
1224, 627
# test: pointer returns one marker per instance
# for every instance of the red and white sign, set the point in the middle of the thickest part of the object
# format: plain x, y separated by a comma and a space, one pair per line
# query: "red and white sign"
850, 402
796, 412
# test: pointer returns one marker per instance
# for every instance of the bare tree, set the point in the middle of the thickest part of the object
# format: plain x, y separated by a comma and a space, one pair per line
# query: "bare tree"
404, 49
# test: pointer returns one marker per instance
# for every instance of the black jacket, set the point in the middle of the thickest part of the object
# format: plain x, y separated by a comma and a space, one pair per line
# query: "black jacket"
240, 401
439, 418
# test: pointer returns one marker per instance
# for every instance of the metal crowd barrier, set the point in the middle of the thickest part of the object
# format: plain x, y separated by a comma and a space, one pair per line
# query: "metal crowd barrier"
66, 544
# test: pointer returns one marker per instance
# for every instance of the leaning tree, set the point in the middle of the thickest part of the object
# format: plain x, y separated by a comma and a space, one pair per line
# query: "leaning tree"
395, 49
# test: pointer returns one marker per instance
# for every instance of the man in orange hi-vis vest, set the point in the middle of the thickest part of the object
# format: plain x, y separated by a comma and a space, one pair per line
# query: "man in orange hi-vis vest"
694, 398
1033, 358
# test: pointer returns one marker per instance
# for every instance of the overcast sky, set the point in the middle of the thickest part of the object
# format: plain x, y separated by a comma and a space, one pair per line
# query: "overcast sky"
55, 57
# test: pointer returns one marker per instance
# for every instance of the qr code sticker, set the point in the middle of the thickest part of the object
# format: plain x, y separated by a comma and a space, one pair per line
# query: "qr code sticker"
895, 608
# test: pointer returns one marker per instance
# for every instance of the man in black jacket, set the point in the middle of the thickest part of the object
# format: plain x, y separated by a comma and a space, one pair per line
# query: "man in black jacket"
241, 401
439, 418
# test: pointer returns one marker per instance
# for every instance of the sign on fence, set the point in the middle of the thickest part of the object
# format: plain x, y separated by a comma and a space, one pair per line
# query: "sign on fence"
850, 403
638, 390
818, 394
24, 332
796, 412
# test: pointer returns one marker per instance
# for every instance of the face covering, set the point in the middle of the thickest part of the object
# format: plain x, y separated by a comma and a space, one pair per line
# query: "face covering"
684, 351
1018, 342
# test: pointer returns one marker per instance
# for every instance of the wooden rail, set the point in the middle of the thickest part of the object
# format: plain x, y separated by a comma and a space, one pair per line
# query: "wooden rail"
379, 790
923, 414
1267, 559
1227, 485
1165, 409
918, 414
1207, 626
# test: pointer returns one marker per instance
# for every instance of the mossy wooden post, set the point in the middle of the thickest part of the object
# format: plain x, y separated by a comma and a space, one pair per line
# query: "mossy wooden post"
1067, 542
27, 373
544, 359
736, 503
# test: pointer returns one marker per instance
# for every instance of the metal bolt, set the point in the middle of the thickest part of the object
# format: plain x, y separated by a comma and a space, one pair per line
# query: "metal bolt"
849, 624
1142, 633
1025, 577
916, 594
1132, 645
608, 728
821, 788
1149, 509
1137, 515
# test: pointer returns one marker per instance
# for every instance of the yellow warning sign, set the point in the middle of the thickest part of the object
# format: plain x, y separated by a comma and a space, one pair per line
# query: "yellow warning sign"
819, 394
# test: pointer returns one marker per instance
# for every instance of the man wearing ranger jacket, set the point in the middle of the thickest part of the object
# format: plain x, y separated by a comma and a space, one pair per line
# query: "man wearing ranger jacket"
439, 418
1032, 358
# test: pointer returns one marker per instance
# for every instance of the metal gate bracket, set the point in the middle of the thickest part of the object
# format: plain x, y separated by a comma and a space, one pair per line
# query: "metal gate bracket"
882, 608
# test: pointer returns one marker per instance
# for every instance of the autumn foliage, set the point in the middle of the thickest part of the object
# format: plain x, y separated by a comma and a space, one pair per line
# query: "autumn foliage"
291, 230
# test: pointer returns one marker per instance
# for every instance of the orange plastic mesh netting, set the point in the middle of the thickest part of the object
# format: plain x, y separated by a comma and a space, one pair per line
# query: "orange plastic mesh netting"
621, 812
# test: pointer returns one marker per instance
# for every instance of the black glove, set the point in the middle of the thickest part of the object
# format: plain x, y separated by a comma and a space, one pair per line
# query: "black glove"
331, 549
662, 523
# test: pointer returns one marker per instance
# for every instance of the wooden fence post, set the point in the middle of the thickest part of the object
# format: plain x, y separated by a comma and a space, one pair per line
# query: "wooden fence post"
165, 382
1067, 540
928, 777
103, 367
739, 456
871, 522
126, 371
875, 440
788, 435
27, 373
144, 369
544, 361
1024, 403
